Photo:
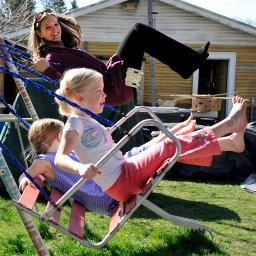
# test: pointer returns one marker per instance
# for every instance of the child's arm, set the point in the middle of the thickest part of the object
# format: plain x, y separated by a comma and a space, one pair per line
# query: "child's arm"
66, 163
38, 167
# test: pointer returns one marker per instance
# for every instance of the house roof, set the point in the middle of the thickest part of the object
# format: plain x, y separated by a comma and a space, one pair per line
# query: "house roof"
177, 3
95, 7
212, 16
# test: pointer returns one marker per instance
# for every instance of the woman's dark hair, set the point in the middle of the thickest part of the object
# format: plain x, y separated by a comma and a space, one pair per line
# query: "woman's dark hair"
71, 33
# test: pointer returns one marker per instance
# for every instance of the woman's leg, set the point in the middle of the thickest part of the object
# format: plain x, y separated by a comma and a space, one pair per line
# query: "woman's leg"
179, 57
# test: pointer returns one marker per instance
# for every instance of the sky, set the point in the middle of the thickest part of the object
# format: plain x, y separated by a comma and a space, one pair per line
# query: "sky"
242, 10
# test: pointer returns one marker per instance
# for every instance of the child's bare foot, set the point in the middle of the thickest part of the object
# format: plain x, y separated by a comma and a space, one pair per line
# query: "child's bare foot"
237, 117
176, 128
237, 142
190, 127
233, 142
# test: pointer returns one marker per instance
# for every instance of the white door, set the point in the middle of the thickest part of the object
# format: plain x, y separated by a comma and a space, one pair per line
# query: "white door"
230, 57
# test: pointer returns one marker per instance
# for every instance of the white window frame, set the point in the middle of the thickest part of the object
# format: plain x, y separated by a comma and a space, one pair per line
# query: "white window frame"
231, 58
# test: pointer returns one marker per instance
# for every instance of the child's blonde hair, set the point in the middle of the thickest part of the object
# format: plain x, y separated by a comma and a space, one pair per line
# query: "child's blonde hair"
42, 134
74, 81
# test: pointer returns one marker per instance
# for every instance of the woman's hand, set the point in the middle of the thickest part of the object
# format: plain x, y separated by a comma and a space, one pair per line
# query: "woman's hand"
88, 171
41, 64
23, 182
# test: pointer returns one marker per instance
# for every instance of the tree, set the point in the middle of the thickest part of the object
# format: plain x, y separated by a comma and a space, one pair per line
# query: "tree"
58, 6
74, 5
14, 4
15, 15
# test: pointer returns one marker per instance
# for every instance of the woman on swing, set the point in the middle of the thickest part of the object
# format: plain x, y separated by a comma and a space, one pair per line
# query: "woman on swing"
55, 43
55, 40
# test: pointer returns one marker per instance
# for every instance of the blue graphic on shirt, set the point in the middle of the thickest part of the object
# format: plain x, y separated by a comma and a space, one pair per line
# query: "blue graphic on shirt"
95, 135
92, 136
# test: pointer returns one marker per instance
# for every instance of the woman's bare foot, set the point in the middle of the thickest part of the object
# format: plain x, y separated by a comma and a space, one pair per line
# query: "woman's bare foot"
190, 127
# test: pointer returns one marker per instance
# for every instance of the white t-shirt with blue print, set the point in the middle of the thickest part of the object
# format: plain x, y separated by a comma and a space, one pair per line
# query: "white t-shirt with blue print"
94, 142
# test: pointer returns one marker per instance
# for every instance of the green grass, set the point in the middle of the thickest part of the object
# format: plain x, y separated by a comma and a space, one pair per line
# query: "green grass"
227, 209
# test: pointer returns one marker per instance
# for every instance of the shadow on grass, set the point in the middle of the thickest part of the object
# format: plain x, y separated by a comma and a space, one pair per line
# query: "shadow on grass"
183, 244
4, 194
190, 243
238, 226
17, 246
206, 178
189, 209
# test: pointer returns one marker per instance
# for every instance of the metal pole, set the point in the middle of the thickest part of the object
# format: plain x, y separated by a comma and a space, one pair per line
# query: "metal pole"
252, 109
14, 193
151, 59
2, 63
23, 92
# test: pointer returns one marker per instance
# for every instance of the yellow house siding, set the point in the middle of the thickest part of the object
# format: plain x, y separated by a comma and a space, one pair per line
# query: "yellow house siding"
245, 82
101, 49
112, 23
168, 82
103, 29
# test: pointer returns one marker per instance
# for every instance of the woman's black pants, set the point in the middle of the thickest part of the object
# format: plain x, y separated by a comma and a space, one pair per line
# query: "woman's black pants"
142, 38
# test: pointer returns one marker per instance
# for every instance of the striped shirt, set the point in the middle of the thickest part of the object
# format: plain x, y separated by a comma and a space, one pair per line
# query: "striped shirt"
90, 195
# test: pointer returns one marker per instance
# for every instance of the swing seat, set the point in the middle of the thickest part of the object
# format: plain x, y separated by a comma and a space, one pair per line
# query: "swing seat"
76, 226
124, 210
133, 77
29, 199
121, 213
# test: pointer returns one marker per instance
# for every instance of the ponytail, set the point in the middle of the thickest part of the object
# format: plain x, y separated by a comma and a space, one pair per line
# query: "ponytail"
64, 108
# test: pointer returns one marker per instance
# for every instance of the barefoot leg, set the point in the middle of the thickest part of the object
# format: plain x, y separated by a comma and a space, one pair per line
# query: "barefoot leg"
181, 125
187, 129
233, 142
235, 121
182, 128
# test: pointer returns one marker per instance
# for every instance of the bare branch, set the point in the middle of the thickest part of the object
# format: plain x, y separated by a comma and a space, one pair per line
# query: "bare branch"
12, 18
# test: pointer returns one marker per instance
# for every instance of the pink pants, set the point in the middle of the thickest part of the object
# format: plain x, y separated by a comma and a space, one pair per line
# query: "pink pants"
197, 149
